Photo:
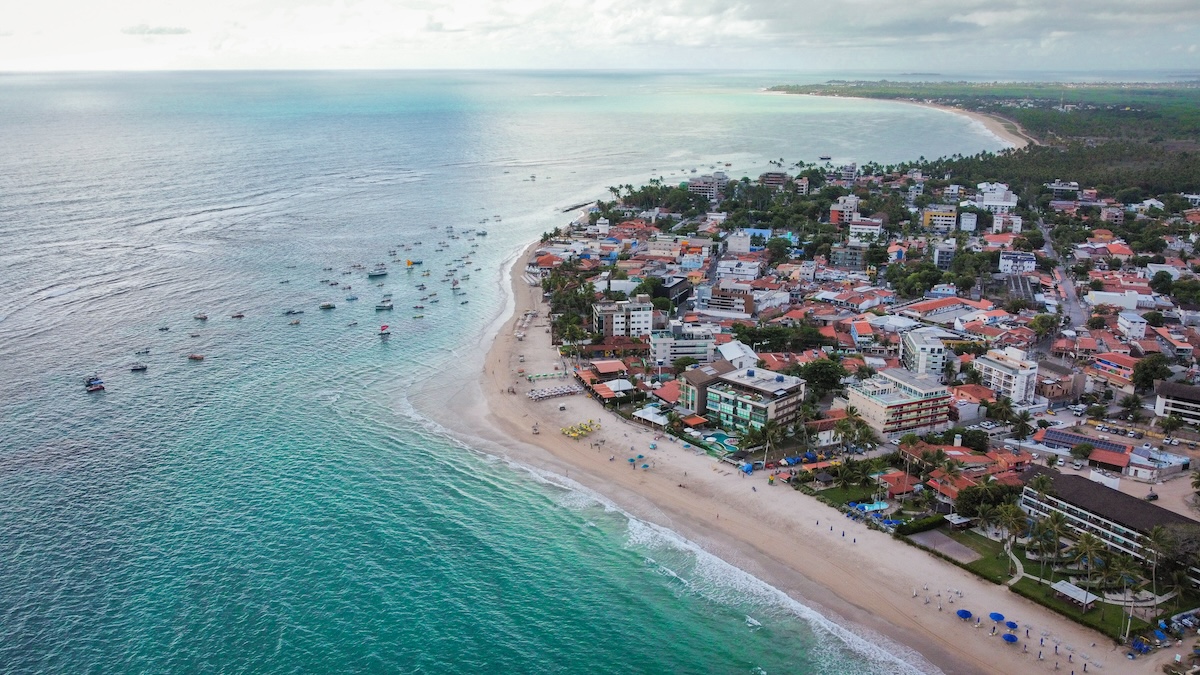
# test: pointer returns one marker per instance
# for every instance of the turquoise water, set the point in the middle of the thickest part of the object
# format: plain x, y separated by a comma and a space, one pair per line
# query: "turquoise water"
282, 506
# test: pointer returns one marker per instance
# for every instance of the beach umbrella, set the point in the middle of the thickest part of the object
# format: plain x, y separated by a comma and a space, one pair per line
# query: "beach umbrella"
641, 456
645, 466
1011, 625
996, 616
632, 460
1010, 638
963, 614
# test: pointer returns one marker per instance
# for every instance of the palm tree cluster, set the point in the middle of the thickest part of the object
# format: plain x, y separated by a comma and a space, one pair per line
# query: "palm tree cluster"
853, 431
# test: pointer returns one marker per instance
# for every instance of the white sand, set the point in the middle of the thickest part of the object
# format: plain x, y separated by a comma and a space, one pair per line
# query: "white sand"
864, 579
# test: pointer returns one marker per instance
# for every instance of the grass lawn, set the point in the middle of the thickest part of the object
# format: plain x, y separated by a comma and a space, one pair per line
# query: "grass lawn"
992, 566
853, 493
1105, 618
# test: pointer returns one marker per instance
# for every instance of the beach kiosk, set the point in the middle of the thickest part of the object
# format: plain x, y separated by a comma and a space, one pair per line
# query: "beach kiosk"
1075, 594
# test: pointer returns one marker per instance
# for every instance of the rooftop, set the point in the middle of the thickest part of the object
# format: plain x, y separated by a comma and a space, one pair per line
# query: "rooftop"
1120, 508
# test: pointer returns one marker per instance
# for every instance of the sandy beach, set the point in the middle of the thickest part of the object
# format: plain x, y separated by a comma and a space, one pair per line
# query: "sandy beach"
860, 579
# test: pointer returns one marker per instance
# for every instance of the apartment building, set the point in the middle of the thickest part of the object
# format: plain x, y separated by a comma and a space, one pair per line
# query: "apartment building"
845, 210
967, 222
943, 254
682, 339
750, 397
1132, 325
939, 217
1017, 262
895, 402
623, 318
1009, 373
923, 353
709, 185
1178, 399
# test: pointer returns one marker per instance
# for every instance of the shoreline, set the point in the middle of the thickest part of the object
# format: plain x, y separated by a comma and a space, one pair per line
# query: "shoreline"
862, 581
1006, 130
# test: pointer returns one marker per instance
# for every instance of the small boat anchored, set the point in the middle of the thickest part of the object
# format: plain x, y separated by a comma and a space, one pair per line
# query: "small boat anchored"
201, 317
384, 333
93, 383
328, 305
138, 368
195, 357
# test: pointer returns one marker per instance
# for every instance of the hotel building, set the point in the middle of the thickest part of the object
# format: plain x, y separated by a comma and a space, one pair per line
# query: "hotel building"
895, 402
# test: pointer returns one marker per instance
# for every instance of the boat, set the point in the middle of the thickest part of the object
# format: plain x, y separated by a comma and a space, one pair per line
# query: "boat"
201, 317
328, 305
378, 271
327, 269
351, 298
464, 302
825, 158
142, 352
352, 323
481, 233
418, 306
238, 315
193, 335
286, 281
195, 357
418, 316
165, 328
385, 305
294, 322
384, 332
433, 300
293, 312
93, 383
138, 368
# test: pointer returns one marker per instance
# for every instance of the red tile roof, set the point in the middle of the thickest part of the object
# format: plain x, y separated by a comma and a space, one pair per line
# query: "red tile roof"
1109, 457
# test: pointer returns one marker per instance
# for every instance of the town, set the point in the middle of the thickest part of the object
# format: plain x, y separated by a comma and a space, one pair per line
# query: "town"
1002, 375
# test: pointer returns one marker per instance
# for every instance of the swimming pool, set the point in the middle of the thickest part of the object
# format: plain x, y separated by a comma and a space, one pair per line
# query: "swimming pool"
724, 439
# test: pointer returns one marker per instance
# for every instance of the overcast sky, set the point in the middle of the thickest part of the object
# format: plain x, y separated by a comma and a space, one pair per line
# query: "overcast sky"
948, 36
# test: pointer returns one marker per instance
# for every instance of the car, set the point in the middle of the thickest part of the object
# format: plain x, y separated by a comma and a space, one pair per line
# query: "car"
1141, 435
1062, 462
1077, 465
1131, 433
1035, 455
1101, 428
1152, 497
1192, 444
1078, 414
1174, 441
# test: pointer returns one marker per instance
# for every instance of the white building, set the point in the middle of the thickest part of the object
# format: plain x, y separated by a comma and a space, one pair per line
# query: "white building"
623, 318
1129, 299
1017, 262
967, 222
709, 185
680, 340
1008, 373
1007, 221
845, 210
996, 198
738, 242
866, 229
738, 270
923, 353
737, 353
895, 402
1131, 325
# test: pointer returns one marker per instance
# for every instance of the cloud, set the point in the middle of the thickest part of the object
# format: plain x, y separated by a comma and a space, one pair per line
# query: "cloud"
144, 29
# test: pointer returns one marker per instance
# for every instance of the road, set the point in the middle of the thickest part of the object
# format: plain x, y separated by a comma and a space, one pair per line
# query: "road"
1072, 306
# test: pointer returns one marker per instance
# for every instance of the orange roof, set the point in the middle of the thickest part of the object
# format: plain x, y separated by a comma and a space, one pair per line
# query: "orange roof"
973, 392
1118, 249
1119, 359
1109, 457
603, 391
694, 420
608, 366
669, 392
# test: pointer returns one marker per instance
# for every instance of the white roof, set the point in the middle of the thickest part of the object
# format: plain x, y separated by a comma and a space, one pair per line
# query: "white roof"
1074, 592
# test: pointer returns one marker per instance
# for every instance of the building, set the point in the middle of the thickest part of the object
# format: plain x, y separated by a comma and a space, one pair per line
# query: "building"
1058, 384
845, 210
1116, 368
923, 353
738, 241
895, 402
939, 217
1178, 399
1131, 325
943, 254
732, 296
1017, 262
693, 385
866, 229
709, 185
852, 255
1008, 373
1063, 190
1119, 520
680, 340
774, 179
748, 398
967, 222
996, 198
623, 318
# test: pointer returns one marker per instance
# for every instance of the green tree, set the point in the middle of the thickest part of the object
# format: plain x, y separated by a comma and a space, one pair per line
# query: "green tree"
823, 376
683, 363
779, 249
1044, 324
1087, 550
1170, 423
1162, 282
1149, 369
1154, 318
1157, 542
1082, 450
1001, 409
1097, 412
1096, 323
1022, 425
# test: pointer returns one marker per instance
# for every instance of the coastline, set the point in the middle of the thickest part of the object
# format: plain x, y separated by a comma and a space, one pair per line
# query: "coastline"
1006, 130
862, 580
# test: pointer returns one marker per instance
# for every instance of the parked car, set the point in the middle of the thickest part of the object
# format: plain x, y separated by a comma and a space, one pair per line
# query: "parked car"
1174, 441
1077, 465
1062, 462
1152, 497
1141, 435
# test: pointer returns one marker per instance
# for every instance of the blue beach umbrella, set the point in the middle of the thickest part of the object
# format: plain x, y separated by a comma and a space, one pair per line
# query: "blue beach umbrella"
1011, 625
1010, 638
963, 614
641, 456
645, 466
632, 460
996, 616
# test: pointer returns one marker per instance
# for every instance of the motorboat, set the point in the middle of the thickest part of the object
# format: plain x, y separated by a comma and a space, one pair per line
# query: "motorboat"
328, 305
351, 298
142, 352
195, 357
379, 270
93, 383
464, 302
418, 306
418, 316
238, 315
481, 233
294, 322
201, 317
352, 323
164, 328
138, 368
293, 312
384, 305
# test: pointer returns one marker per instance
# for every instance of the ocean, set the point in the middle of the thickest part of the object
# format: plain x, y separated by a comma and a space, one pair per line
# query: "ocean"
282, 505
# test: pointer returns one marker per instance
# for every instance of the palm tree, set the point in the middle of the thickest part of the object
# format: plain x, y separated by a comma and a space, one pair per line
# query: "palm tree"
986, 516
1022, 425
771, 435
1056, 528
1001, 409
1196, 482
1087, 549
1129, 403
1013, 519
1157, 541
1041, 484
844, 428
1121, 569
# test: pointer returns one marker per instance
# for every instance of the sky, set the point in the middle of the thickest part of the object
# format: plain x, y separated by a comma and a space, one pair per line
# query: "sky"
940, 36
